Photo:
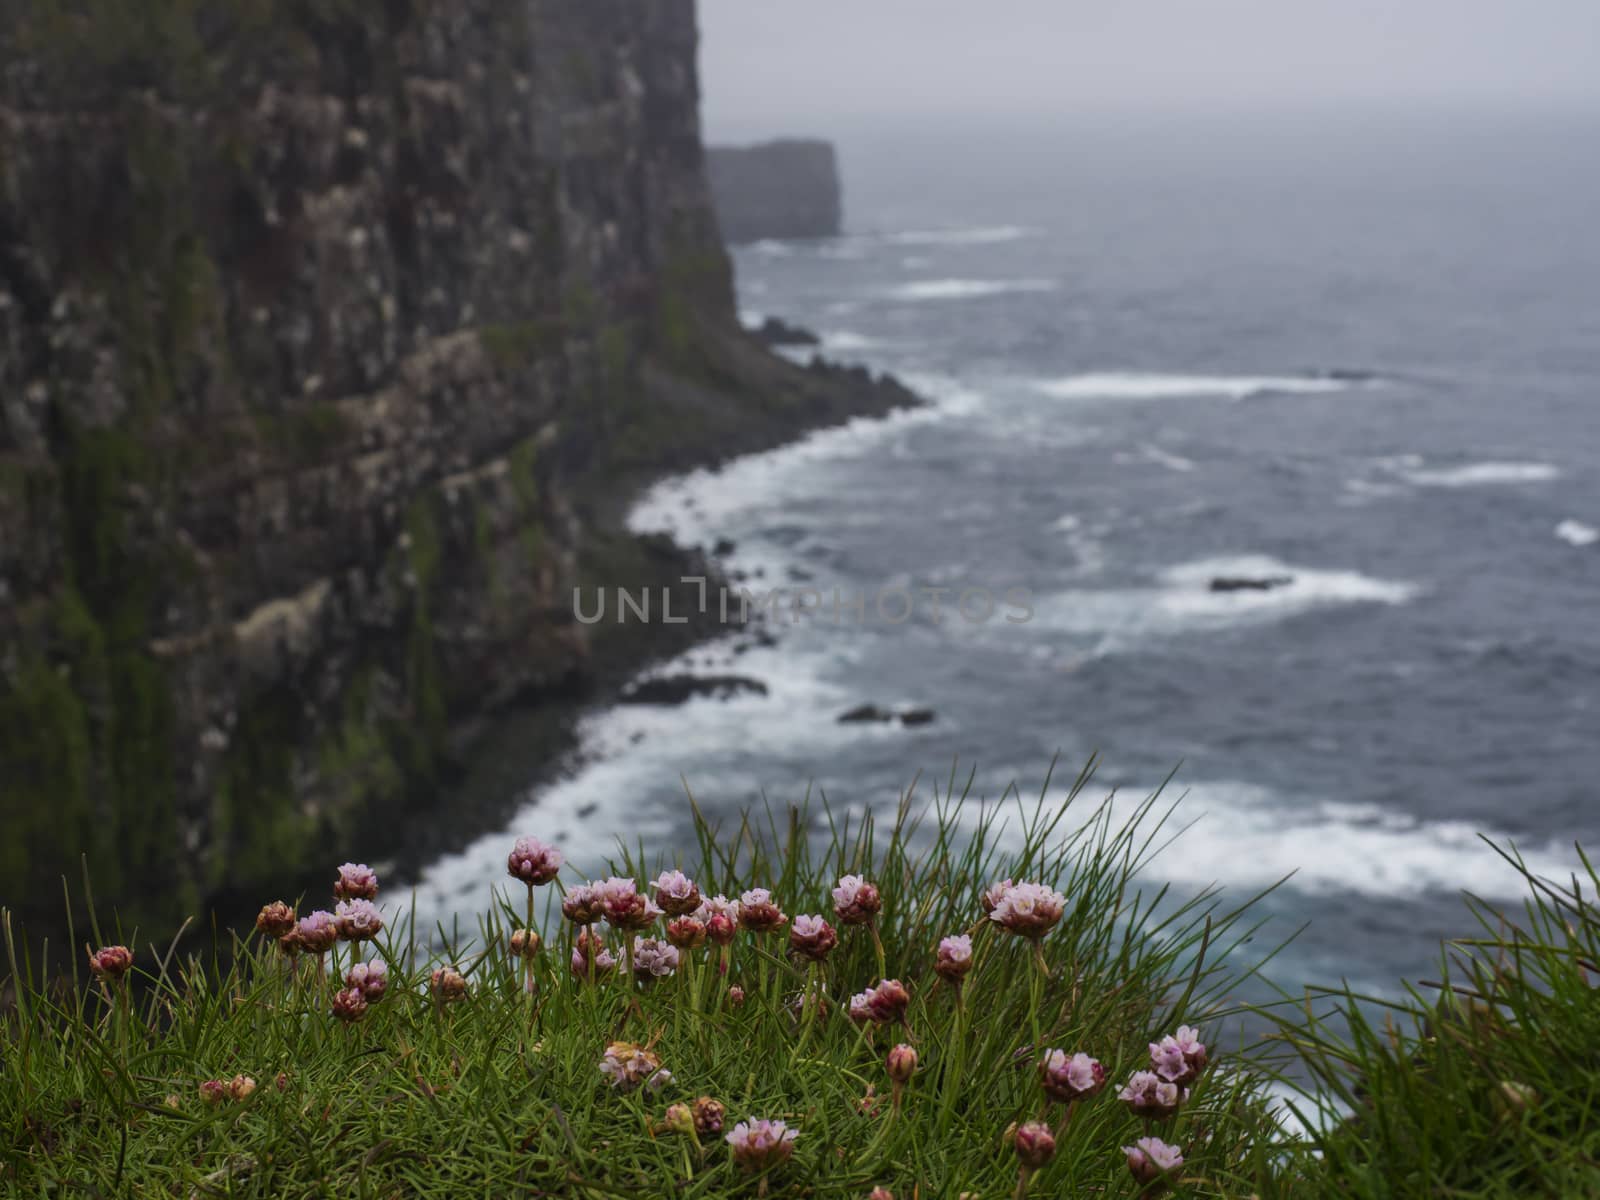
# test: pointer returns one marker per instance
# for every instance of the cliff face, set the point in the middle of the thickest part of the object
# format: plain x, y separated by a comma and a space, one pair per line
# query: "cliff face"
783, 189
330, 333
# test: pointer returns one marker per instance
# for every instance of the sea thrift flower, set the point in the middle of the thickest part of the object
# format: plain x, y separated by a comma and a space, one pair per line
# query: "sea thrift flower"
758, 912
855, 901
812, 937
1028, 909
213, 1091
708, 1114
317, 932
887, 1003
626, 907
447, 984
240, 1087
111, 962
1070, 1077
653, 959
356, 882
679, 1119
721, 928
676, 893
371, 979
1179, 1058
359, 920
736, 996
533, 862
713, 905
1153, 1161
590, 956
627, 1066
761, 1145
1149, 1096
861, 1007
686, 933
524, 943
954, 958
993, 894
275, 919
582, 905
1034, 1144
350, 1004
901, 1063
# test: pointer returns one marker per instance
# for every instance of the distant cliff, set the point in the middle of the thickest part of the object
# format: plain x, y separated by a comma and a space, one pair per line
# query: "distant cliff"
333, 338
783, 189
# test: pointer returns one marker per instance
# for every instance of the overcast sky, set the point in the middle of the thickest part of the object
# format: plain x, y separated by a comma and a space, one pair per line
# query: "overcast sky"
773, 66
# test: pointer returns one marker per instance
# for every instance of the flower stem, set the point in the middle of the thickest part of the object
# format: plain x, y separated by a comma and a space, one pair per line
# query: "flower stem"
877, 947
1022, 1182
956, 1064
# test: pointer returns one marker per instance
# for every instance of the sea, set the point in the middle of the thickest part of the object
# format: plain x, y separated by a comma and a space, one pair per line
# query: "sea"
1271, 446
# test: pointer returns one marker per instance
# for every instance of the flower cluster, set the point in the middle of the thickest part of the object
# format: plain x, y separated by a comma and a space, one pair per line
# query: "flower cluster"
761, 1145
533, 862
216, 1091
653, 958
1068, 1078
356, 881
627, 1066
111, 962
676, 893
885, 1004
953, 959
371, 979
358, 920
1175, 1062
1026, 909
1153, 1161
759, 913
812, 937
855, 901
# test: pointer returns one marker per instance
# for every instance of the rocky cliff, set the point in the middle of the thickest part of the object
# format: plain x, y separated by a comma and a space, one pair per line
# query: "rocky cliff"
333, 336
782, 189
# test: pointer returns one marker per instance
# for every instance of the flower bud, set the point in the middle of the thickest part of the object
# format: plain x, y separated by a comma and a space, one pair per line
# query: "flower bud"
708, 1114
350, 1004
721, 928
111, 962
686, 933
1034, 1144
275, 919
736, 996
887, 1003
533, 862
282, 1081
240, 1087
524, 943
447, 984
679, 1119
880, 1193
213, 1091
902, 1063
356, 881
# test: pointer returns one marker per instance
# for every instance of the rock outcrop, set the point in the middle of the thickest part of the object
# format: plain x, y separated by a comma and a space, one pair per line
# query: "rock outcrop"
782, 189
333, 339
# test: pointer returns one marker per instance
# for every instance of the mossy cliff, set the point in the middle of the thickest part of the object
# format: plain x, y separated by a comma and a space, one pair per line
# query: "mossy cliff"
332, 335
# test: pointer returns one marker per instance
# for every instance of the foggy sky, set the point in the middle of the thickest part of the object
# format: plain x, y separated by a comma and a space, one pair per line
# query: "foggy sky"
806, 65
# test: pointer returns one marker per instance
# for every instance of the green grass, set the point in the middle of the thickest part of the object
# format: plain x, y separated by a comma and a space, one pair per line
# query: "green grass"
500, 1094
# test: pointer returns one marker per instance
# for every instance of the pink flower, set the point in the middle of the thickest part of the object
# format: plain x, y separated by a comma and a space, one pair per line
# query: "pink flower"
1028, 909
350, 1004
855, 901
653, 959
887, 1003
1148, 1095
993, 894
736, 996
1153, 1161
317, 932
214, 1091
626, 1066
275, 919
759, 913
356, 882
583, 905
676, 893
1179, 1058
812, 937
447, 984
954, 958
713, 905
1035, 1145
861, 1007
686, 933
533, 862
721, 929
626, 907
111, 962
761, 1145
359, 920
371, 979
590, 956
1070, 1077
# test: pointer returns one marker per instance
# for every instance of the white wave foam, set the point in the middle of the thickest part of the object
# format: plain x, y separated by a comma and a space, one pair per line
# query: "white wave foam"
1165, 458
967, 289
1145, 385
845, 342
1576, 533
772, 248
1182, 601
1480, 474
984, 236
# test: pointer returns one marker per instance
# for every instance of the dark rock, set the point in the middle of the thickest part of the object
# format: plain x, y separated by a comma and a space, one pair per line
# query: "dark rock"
676, 689
862, 714
1232, 583
723, 548
917, 716
774, 332
782, 189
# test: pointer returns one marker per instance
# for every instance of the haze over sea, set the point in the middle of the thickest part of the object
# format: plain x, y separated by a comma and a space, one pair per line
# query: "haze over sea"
1362, 354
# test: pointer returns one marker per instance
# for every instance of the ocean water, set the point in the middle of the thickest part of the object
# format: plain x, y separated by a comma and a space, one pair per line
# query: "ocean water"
1359, 356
